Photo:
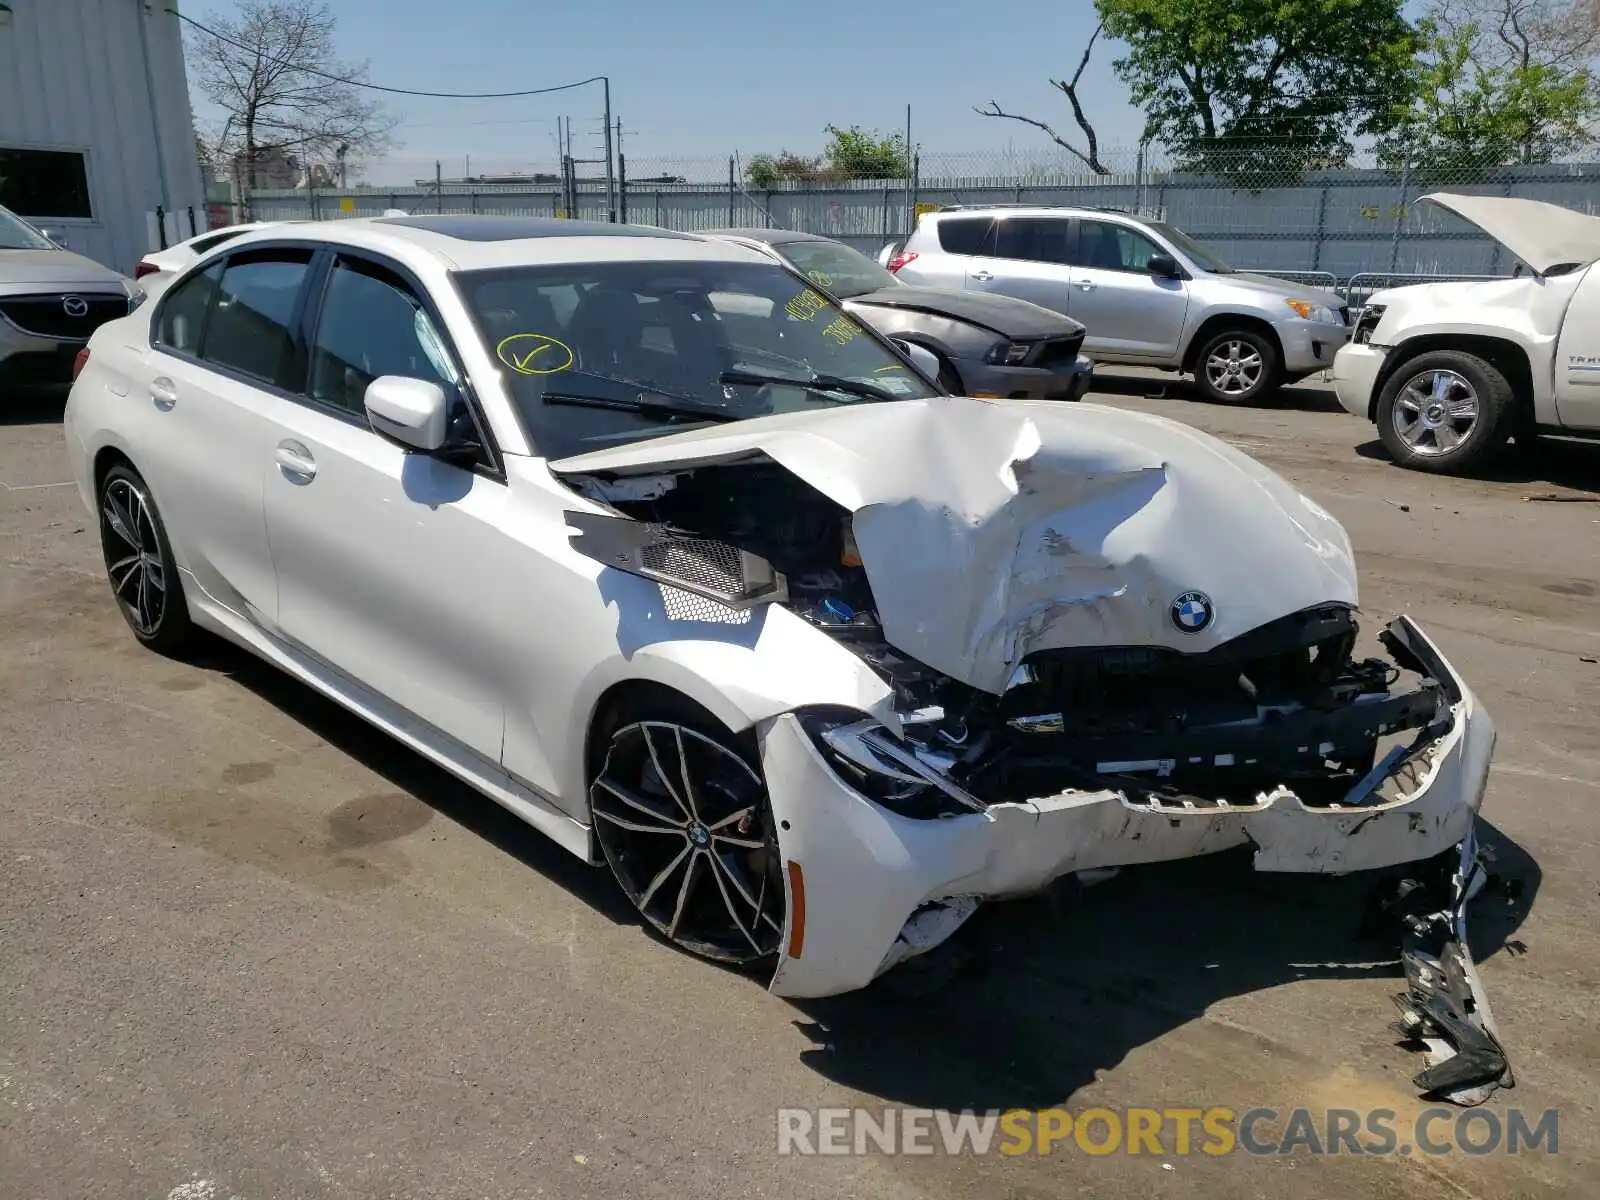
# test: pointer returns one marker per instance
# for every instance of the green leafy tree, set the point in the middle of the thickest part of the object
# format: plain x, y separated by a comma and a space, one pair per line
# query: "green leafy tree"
857, 153
852, 153
1501, 81
768, 170
1263, 89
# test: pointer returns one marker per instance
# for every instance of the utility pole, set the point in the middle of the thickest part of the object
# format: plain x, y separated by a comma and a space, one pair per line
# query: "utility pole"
611, 174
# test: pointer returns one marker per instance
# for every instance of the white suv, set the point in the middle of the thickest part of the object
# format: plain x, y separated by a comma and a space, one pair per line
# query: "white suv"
1149, 294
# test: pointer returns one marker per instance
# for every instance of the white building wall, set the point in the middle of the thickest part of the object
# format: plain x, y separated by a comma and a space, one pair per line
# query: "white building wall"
73, 77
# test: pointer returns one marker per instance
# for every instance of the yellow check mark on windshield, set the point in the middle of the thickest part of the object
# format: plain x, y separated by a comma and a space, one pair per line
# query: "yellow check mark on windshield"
522, 353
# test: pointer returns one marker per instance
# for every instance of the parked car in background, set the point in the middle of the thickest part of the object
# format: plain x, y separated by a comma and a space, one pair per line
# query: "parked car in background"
1452, 371
51, 300
156, 269
1147, 293
988, 346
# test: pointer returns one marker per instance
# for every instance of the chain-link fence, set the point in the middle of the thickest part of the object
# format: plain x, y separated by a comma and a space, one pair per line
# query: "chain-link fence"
1302, 220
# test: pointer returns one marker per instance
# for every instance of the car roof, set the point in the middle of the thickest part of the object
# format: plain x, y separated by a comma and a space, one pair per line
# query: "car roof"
481, 242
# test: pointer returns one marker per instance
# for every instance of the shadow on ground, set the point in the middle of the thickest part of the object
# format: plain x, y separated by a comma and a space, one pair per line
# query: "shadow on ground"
32, 408
1176, 387
1054, 991
1549, 461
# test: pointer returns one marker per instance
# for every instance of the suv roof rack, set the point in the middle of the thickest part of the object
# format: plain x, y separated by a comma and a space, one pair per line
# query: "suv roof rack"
1110, 208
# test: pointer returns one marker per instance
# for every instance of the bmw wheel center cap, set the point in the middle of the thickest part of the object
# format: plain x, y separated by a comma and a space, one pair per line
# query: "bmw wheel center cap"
1192, 612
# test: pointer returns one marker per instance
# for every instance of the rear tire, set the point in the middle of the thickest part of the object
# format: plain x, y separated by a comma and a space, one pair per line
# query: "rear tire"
1238, 366
140, 564
1447, 412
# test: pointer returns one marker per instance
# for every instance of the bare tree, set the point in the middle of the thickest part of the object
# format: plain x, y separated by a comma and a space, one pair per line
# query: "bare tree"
272, 70
1090, 155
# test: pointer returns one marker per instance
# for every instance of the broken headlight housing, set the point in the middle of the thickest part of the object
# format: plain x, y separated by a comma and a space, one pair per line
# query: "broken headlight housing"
882, 767
1009, 354
1367, 323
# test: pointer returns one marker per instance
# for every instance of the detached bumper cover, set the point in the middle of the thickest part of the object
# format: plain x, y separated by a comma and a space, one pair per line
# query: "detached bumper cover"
867, 872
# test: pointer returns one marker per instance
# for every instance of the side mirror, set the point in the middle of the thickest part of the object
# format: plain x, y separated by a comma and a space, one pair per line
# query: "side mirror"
926, 361
56, 236
1164, 266
413, 412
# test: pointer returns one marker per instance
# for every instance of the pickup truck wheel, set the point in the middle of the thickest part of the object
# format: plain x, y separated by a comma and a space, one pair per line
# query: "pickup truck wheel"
1447, 412
1238, 366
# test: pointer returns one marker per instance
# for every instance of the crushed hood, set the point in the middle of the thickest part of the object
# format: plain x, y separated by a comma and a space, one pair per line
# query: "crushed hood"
1020, 320
991, 530
1540, 234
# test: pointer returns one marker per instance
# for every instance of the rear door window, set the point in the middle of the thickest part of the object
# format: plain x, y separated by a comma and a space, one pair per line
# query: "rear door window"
183, 316
250, 328
962, 235
1034, 239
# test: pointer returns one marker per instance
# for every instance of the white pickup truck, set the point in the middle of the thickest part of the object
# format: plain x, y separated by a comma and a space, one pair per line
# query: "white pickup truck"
1451, 371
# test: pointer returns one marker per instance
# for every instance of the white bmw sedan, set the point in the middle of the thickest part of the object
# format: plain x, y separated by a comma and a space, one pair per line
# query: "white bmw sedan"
643, 537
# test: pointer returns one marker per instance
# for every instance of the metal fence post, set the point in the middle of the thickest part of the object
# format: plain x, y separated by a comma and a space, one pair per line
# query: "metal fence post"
1400, 210
622, 187
1322, 224
916, 188
658, 208
732, 183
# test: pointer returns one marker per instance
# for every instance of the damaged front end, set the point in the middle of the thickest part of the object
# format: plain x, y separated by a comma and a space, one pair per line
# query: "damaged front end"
1072, 723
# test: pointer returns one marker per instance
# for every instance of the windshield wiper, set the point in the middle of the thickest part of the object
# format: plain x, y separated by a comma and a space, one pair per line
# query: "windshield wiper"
661, 410
816, 382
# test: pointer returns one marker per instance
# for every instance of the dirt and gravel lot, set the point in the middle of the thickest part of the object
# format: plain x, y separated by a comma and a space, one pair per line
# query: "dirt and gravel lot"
250, 948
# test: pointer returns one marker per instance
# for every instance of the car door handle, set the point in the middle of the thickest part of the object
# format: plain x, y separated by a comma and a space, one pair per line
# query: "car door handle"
982, 276
163, 393
1085, 285
295, 461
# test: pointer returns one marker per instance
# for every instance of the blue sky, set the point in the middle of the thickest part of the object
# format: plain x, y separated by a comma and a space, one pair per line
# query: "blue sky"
702, 78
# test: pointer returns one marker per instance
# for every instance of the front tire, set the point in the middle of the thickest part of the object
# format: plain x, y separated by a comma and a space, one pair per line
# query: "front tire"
686, 826
1448, 412
1238, 366
140, 564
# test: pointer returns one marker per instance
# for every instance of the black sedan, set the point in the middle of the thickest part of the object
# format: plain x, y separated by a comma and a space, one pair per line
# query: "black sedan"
987, 345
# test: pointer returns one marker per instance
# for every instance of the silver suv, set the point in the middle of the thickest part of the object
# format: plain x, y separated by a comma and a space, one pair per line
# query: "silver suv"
1149, 294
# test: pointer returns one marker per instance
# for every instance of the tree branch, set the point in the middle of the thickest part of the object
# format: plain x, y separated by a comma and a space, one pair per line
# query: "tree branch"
1069, 89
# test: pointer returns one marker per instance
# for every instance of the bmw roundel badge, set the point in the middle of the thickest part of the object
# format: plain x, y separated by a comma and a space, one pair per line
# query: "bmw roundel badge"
1192, 612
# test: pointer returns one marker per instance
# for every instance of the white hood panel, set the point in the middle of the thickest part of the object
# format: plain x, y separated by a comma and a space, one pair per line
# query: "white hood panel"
1540, 234
990, 530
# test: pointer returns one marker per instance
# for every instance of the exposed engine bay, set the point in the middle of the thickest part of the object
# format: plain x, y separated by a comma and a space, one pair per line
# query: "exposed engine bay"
1286, 705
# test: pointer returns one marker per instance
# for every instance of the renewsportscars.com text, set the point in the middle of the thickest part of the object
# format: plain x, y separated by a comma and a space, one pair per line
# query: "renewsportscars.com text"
1167, 1132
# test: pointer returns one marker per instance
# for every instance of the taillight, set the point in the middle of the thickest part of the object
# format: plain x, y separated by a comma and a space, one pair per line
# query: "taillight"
144, 268
79, 363
900, 259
